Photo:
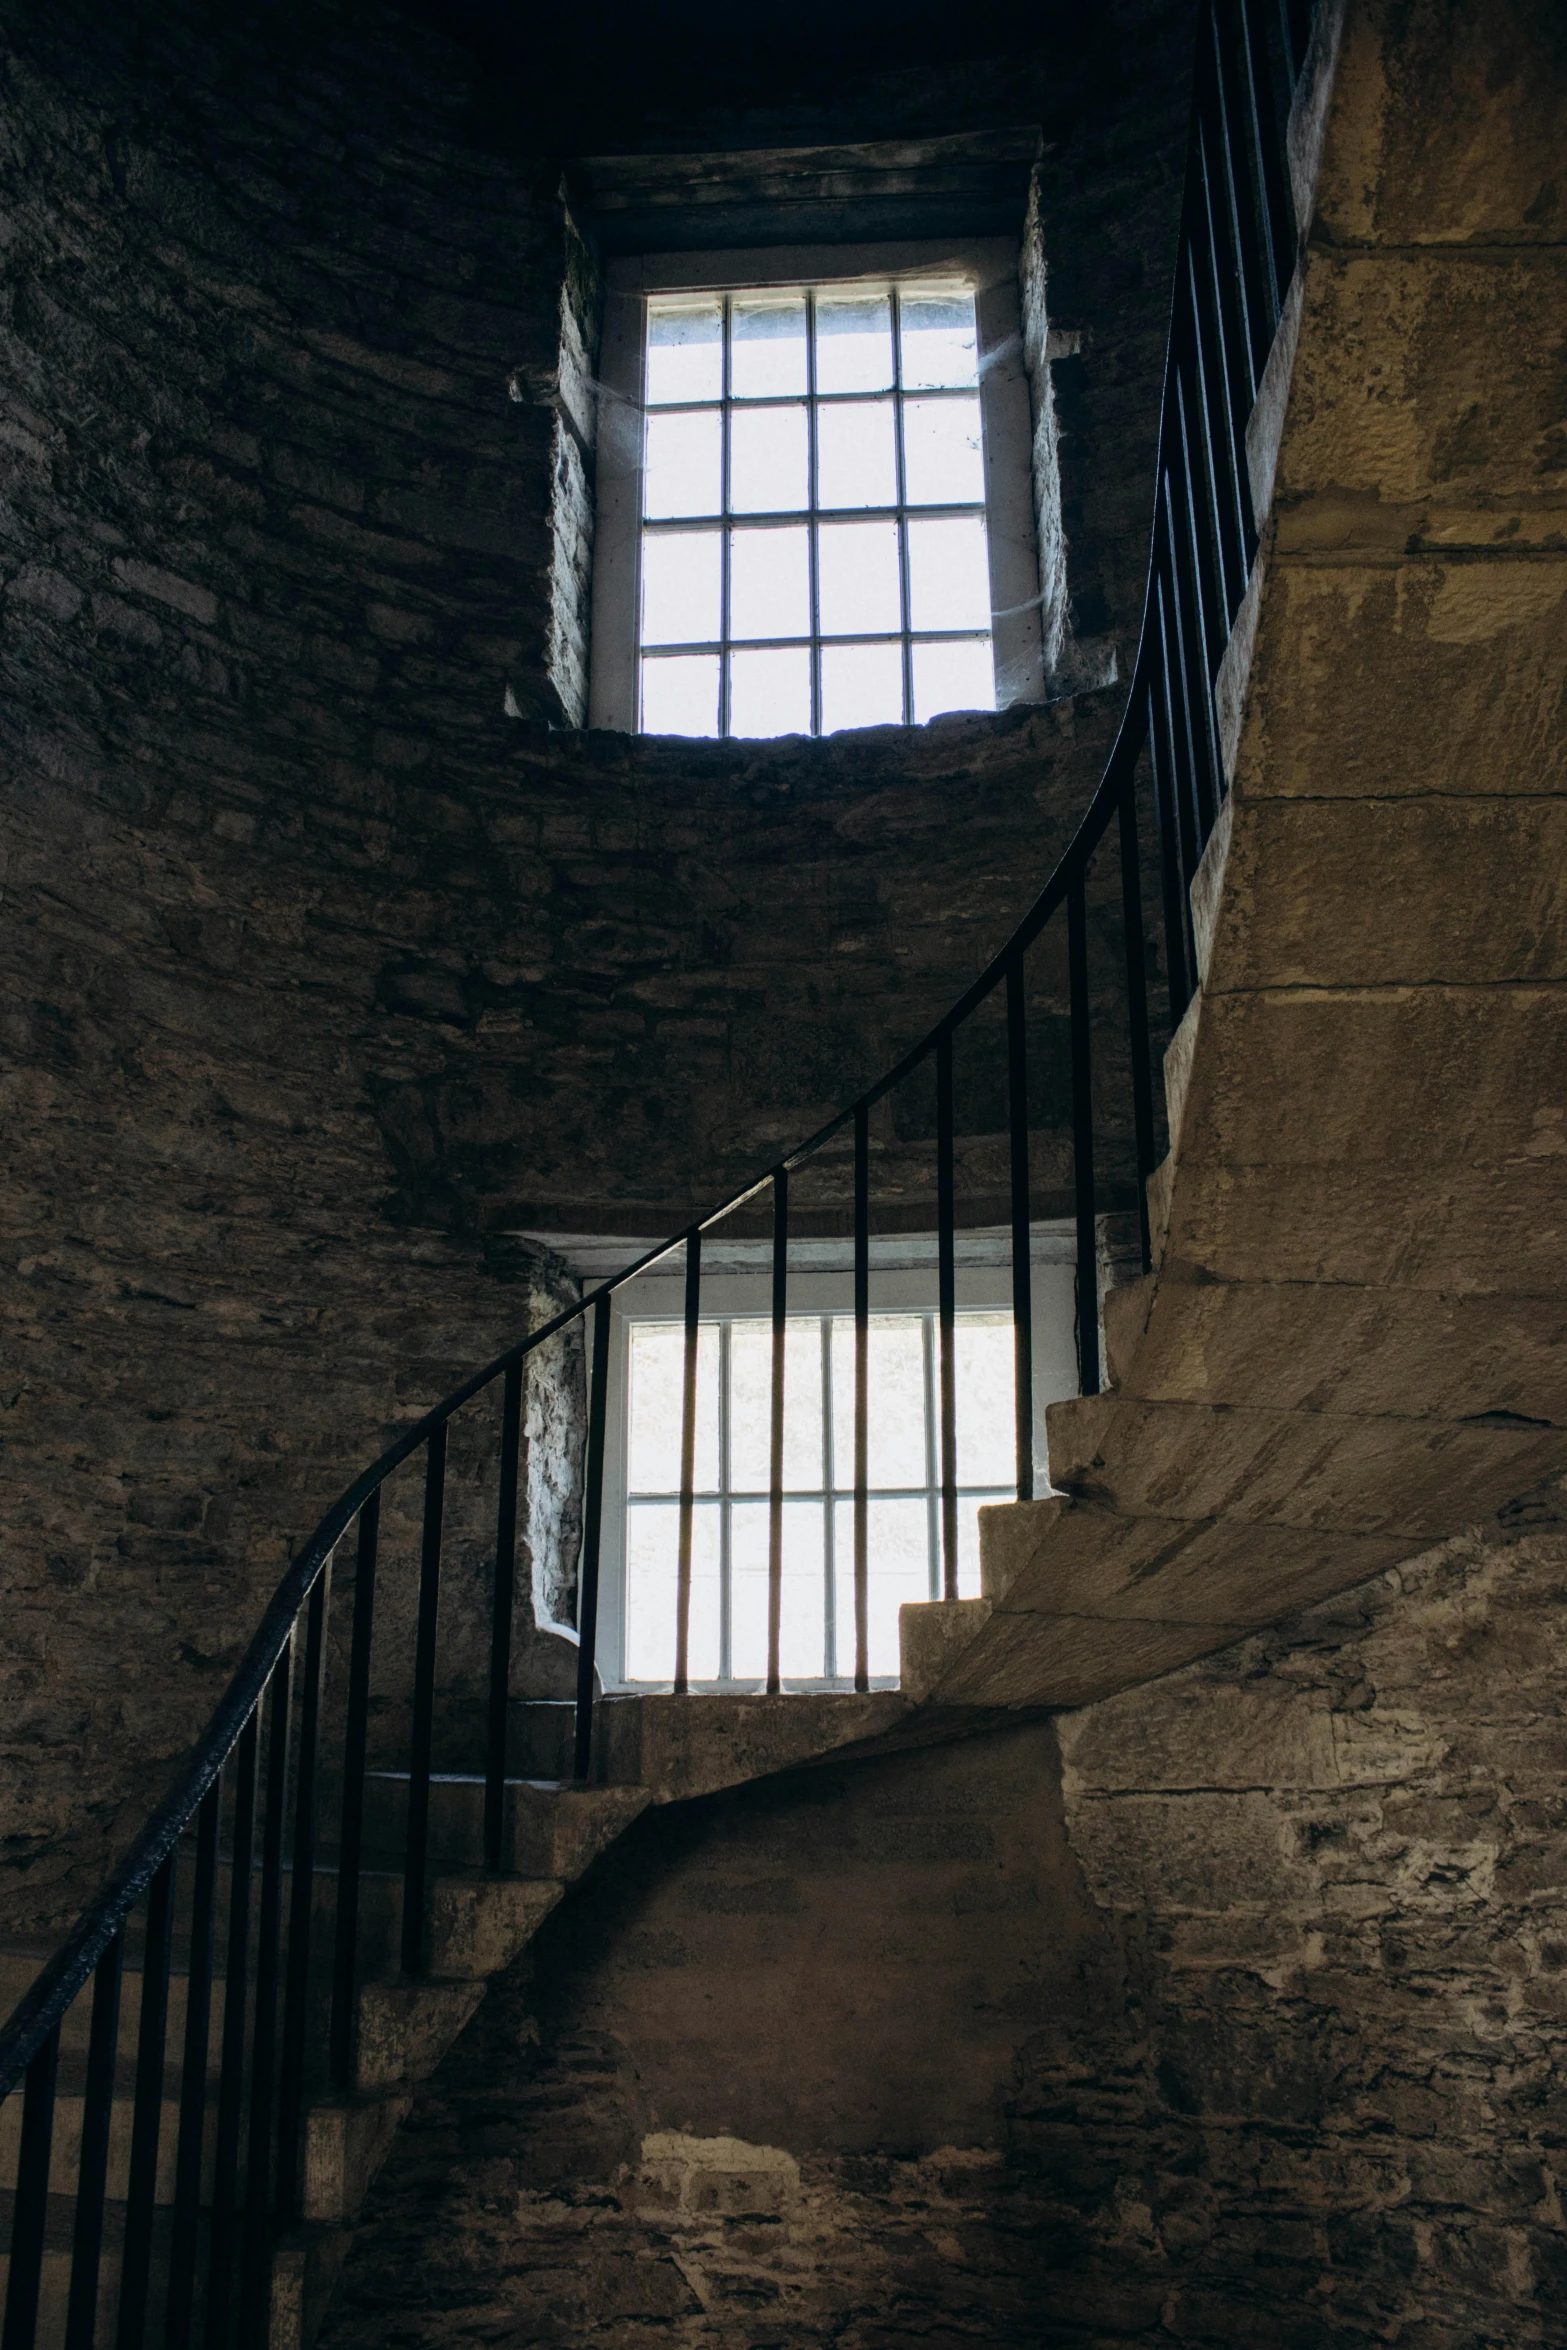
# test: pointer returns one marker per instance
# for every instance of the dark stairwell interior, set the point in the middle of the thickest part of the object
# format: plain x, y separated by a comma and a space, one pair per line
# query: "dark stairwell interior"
1070, 1991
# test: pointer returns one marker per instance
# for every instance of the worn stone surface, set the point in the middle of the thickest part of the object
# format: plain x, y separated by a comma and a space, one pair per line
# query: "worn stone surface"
1250, 2033
322, 975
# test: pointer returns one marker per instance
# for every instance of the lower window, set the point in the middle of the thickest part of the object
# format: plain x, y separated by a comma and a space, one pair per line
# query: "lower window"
729, 1555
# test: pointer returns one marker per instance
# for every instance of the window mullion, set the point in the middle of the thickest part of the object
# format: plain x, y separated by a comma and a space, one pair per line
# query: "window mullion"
932, 1468
812, 525
829, 1507
903, 503
725, 1515
725, 420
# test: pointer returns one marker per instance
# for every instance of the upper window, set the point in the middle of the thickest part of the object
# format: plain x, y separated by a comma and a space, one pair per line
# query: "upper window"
811, 510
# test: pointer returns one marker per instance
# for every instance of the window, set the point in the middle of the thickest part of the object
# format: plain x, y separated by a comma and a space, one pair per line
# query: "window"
730, 1525
730, 1528
814, 507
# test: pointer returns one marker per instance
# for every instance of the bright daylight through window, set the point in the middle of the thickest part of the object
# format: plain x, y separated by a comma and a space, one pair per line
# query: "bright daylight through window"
814, 541
730, 1525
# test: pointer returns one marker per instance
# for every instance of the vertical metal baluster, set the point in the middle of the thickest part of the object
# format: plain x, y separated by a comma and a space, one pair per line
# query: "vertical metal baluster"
1190, 673
193, 2074
1206, 637
141, 2195
1022, 1237
1240, 203
1083, 1139
862, 1326
422, 1737
687, 1463
257, 2268
1295, 23
946, 1317
592, 1536
30, 2211
775, 1517
351, 1837
301, 1911
231, 2080
1137, 999
81, 2317
503, 1603
1219, 477
1172, 888
1221, 288
1278, 242
1183, 757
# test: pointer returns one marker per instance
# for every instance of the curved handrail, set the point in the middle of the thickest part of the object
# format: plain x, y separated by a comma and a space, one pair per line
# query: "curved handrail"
1234, 256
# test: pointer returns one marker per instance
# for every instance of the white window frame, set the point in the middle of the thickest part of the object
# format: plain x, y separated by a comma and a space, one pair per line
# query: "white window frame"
988, 265
902, 1280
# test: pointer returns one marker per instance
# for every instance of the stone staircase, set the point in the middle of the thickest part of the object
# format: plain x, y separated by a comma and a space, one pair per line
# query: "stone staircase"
648, 1750
1350, 1347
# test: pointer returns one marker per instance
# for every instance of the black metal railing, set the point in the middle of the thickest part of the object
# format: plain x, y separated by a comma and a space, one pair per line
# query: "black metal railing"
246, 1889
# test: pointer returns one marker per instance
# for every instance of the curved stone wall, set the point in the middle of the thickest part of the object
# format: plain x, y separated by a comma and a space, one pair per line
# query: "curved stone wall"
321, 974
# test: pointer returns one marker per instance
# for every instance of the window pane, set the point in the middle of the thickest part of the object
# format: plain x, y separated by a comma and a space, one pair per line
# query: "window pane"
656, 1360
862, 685
767, 470
943, 453
770, 693
685, 351
953, 677
682, 469
859, 578
895, 1375
802, 1632
680, 696
680, 572
766, 347
769, 582
897, 1557
853, 342
652, 1576
969, 1507
939, 345
751, 1389
949, 573
856, 464
985, 1362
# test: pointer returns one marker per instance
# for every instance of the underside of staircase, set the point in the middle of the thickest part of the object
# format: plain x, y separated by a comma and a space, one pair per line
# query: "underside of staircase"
1350, 1346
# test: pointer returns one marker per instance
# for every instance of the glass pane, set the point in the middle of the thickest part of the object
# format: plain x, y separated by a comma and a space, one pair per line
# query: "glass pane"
685, 350
802, 1631
856, 463
939, 345
769, 582
652, 1576
862, 685
943, 453
750, 1408
853, 342
680, 696
949, 573
859, 578
656, 1363
770, 693
767, 346
767, 466
682, 474
953, 677
969, 1507
680, 574
895, 1379
897, 1558
985, 1363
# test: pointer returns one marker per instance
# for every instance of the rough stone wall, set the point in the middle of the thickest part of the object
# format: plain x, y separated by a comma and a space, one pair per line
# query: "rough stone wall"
321, 975
1240, 2025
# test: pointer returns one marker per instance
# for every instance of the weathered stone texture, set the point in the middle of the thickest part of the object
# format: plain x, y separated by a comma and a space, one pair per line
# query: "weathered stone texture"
1246, 2029
321, 974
